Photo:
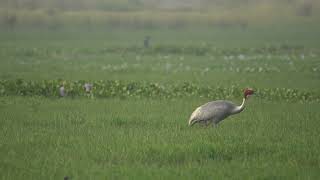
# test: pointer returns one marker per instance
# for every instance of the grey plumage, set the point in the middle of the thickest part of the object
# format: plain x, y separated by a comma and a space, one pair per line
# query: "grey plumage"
216, 111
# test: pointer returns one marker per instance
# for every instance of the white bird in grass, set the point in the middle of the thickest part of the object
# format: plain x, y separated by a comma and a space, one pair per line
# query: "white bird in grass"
87, 87
62, 91
216, 111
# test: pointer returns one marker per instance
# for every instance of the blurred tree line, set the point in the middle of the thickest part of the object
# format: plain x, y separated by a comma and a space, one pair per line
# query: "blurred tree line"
151, 13
304, 6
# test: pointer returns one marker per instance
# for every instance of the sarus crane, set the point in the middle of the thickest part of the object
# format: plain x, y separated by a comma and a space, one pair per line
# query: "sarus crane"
216, 111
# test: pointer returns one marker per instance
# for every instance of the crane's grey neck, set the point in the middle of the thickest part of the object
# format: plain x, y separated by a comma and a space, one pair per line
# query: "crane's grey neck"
240, 108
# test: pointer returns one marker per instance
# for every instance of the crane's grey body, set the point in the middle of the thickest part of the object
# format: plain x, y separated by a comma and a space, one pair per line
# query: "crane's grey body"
214, 112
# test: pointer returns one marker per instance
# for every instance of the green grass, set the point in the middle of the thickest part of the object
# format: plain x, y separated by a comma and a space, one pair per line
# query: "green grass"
255, 35
148, 138
90, 56
142, 139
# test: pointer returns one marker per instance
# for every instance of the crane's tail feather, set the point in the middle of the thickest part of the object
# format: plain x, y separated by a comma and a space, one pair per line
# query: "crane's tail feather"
193, 119
192, 122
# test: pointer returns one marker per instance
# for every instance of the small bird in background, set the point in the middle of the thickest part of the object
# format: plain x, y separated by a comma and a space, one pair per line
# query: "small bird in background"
216, 111
146, 41
87, 87
62, 91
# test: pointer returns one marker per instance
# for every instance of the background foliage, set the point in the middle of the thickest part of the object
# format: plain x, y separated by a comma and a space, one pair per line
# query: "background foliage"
134, 122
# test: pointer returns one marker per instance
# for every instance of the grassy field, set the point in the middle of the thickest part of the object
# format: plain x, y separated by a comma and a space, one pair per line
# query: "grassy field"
253, 57
142, 139
148, 138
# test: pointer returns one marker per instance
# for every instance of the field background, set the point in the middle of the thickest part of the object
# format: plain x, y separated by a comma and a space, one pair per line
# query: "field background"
272, 46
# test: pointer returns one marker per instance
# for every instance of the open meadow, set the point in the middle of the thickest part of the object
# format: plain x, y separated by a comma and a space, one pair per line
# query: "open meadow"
134, 122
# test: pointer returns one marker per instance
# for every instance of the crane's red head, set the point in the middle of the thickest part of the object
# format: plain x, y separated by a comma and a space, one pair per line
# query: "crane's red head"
247, 92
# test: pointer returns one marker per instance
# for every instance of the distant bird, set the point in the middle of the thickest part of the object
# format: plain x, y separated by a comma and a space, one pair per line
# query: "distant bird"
216, 111
62, 91
87, 87
146, 41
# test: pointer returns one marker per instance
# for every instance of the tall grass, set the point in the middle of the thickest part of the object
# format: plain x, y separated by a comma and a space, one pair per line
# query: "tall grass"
141, 139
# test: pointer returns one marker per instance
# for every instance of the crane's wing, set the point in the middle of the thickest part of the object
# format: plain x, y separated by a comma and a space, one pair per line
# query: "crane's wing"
215, 110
